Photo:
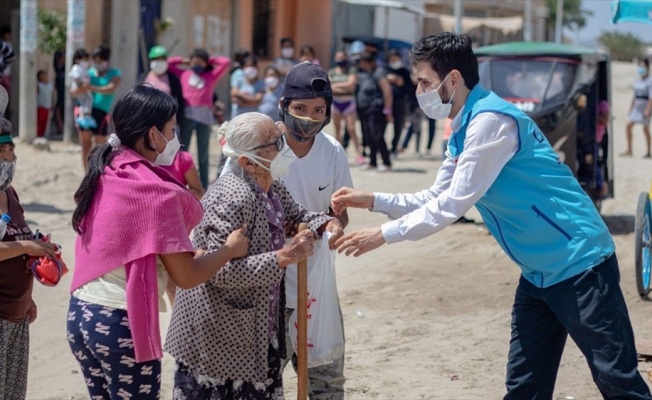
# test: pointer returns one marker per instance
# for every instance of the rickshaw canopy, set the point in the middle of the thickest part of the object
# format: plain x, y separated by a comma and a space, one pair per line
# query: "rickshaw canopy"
631, 11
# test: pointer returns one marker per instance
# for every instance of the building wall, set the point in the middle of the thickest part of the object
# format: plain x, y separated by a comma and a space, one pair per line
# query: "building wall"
307, 22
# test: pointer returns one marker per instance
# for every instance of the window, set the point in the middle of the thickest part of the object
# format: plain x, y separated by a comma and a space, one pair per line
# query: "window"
263, 36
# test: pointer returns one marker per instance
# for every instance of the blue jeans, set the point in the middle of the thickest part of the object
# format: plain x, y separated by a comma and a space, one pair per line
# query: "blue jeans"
203, 142
591, 309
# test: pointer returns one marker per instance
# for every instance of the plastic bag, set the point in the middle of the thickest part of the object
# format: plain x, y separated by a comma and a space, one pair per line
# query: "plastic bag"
325, 332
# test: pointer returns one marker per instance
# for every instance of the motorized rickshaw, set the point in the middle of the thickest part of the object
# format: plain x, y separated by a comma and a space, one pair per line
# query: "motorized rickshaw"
639, 11
560, 87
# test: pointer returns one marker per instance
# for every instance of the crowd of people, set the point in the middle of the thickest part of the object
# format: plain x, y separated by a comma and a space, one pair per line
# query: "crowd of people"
233, 286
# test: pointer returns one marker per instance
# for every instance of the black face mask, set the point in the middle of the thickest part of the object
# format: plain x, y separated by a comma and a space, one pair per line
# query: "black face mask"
302, 129
343, 64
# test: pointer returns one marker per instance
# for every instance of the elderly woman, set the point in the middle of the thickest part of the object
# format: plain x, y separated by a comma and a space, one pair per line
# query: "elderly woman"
227, 335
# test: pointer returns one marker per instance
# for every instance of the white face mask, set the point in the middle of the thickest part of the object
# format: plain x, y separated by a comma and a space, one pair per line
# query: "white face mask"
250, 72
159, 67
431, 104
7, 169
166, 157
396, 64
102, 66
287, 52
271, 82
279, 166
85, 64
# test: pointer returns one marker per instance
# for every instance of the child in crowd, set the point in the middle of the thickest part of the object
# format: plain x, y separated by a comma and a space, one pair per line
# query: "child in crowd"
80, 78
43, 102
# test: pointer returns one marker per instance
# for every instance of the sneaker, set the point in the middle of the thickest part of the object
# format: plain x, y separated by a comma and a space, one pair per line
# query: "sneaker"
384, 168
366, 167
360, 160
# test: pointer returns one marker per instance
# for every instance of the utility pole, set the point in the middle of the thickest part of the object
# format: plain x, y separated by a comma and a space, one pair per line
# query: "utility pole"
27, 78
559, 21
527, 26
458, 16
76, 26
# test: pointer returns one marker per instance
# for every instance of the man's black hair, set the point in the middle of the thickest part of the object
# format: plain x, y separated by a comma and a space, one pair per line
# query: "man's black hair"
445, 52
287, 40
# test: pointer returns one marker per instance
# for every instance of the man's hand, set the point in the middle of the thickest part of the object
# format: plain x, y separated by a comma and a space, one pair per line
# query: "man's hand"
360, 242
347, 197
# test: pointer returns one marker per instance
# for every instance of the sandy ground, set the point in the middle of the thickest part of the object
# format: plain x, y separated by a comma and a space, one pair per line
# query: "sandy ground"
423, 320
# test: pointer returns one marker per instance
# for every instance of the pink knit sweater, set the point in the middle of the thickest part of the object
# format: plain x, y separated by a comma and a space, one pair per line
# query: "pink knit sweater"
139, 211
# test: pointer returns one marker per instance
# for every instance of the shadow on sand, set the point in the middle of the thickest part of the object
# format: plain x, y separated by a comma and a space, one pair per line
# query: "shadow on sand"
619, 224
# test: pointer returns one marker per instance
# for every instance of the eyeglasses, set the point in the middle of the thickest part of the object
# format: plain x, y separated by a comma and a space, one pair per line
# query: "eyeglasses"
279, 143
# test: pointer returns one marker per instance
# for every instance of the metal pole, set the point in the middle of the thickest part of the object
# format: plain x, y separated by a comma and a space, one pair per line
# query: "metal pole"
458, 16
302, 326
75, 39
527, 26
386, 38
27, 78
559, 20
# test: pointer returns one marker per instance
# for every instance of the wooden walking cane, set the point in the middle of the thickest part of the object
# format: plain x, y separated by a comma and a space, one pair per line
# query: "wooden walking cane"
302, 326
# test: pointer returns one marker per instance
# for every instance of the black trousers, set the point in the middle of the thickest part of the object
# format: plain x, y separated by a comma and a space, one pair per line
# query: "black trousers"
589, 308
373, 124
399, 113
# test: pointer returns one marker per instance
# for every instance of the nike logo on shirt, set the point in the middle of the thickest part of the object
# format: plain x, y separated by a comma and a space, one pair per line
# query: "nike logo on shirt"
324, 187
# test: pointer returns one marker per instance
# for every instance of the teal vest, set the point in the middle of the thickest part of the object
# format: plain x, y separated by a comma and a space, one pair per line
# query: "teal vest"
536, 209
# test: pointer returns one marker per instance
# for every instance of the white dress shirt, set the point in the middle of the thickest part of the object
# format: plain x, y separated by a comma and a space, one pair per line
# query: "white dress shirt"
491, 141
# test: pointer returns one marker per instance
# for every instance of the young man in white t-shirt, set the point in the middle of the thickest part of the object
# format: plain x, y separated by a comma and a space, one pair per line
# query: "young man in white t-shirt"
321, 169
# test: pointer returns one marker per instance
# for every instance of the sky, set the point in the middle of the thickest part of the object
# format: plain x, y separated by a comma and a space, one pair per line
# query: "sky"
601, 22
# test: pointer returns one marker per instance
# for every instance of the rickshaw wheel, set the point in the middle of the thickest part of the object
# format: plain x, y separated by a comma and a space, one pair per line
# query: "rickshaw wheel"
643, 245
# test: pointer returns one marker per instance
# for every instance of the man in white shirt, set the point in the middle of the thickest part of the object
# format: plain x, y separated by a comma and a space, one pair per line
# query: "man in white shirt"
321, 169
499, 161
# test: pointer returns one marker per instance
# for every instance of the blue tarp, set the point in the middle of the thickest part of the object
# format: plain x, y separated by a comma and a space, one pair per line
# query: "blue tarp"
631, 11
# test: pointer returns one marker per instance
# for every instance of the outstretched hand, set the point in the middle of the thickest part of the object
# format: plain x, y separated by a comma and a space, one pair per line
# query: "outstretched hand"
359, 242
347, 197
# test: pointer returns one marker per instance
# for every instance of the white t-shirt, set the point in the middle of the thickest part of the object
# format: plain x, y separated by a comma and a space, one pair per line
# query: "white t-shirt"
110, 290
312, 181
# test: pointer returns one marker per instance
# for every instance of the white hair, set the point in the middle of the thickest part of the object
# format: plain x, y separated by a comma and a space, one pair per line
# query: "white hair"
243, 133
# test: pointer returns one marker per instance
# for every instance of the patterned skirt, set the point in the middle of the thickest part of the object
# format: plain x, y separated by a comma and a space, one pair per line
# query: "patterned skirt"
14, 356
187, 386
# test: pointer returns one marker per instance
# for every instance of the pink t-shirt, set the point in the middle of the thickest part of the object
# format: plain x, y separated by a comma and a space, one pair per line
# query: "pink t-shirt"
182, 163
198, 89
160, 82
603, 108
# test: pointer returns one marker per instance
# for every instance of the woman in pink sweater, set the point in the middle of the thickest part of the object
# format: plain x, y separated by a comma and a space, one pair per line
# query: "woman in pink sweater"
198, 84
129, 212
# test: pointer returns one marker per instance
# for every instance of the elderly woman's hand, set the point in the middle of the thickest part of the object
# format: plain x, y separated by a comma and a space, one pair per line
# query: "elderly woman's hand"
238, 242
298, 249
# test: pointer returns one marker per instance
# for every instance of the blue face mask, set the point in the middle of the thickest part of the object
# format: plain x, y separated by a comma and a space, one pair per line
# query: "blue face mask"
198, 69
642, 71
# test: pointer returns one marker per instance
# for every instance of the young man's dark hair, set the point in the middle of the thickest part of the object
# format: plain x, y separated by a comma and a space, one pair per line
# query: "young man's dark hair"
287, 40
102, 52
446, 52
